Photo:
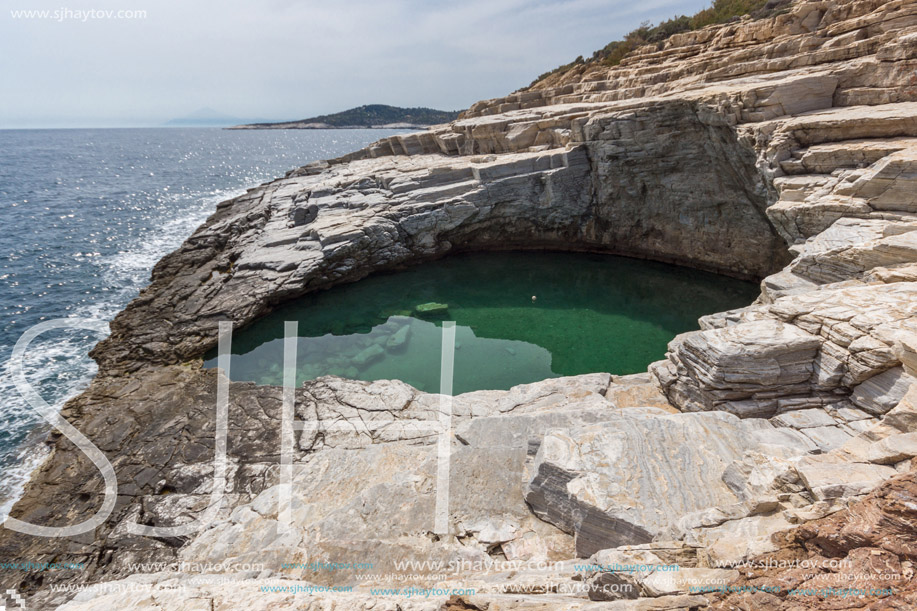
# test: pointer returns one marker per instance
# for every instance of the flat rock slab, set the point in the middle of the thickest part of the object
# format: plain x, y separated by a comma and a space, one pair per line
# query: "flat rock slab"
626, 480
805, 419
893, 449
683, 581
826, 479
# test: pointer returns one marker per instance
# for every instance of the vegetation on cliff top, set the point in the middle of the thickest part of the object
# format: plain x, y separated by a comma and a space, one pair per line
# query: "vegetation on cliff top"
373, 115
720, 11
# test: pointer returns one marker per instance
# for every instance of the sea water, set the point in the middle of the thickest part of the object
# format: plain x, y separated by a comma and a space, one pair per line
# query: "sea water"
86, 213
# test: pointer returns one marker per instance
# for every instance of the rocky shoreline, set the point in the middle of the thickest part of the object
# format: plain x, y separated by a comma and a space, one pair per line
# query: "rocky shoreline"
783, 149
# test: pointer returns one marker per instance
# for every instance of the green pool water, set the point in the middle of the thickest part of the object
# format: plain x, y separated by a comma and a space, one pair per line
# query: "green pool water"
591, 313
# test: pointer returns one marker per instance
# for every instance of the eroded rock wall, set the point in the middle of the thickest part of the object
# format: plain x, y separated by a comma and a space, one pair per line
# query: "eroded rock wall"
669, 182
674, 183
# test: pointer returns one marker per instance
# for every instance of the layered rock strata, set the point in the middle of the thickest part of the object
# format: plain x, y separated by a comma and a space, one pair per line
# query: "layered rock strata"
781, 149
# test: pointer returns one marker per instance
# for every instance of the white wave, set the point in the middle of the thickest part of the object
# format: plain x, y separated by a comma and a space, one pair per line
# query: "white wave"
64, 364
30, 456
59, 368
131, 268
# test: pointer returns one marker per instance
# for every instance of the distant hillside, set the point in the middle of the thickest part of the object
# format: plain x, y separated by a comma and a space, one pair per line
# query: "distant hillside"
719, 11
370, 116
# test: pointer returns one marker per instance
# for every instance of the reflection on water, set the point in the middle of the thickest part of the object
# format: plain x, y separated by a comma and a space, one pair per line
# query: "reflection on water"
589, 313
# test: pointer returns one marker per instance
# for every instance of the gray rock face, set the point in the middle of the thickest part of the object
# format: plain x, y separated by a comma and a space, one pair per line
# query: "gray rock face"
828, 478
882, 392
743, 369
665, 160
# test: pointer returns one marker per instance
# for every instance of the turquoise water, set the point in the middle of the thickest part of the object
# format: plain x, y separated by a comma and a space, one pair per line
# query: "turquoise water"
591, 313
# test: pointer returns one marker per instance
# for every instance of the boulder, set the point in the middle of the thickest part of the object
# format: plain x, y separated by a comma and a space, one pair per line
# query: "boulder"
882, 392
432, 308
628, 479
742, 369
826, 477
893, 449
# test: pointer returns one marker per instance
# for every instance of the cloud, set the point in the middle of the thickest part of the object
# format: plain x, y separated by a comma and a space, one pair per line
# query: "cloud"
285, 59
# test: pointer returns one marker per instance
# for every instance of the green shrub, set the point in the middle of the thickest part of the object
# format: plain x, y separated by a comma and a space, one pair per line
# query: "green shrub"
720, 11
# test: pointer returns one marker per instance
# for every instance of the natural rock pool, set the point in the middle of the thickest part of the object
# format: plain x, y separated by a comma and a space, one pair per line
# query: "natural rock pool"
590, 313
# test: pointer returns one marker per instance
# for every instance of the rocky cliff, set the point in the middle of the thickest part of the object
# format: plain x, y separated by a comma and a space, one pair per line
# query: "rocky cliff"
781, 149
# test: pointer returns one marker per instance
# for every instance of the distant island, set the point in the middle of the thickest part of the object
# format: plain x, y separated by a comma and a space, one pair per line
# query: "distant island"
373, 116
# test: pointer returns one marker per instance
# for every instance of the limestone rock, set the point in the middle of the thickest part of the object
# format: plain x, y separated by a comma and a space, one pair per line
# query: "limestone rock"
903, 417
735, 541
594, 483
743, 368
882, 392
826, 478
686, 581
893, 449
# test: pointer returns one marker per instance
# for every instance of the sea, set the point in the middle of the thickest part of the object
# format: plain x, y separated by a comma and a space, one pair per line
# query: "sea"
84, 216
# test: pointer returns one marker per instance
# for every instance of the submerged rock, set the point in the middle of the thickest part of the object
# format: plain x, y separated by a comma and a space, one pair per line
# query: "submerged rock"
431, 308
399, 339
368, 355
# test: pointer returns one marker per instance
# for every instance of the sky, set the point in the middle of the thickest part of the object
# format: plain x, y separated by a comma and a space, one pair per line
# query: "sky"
143, 62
